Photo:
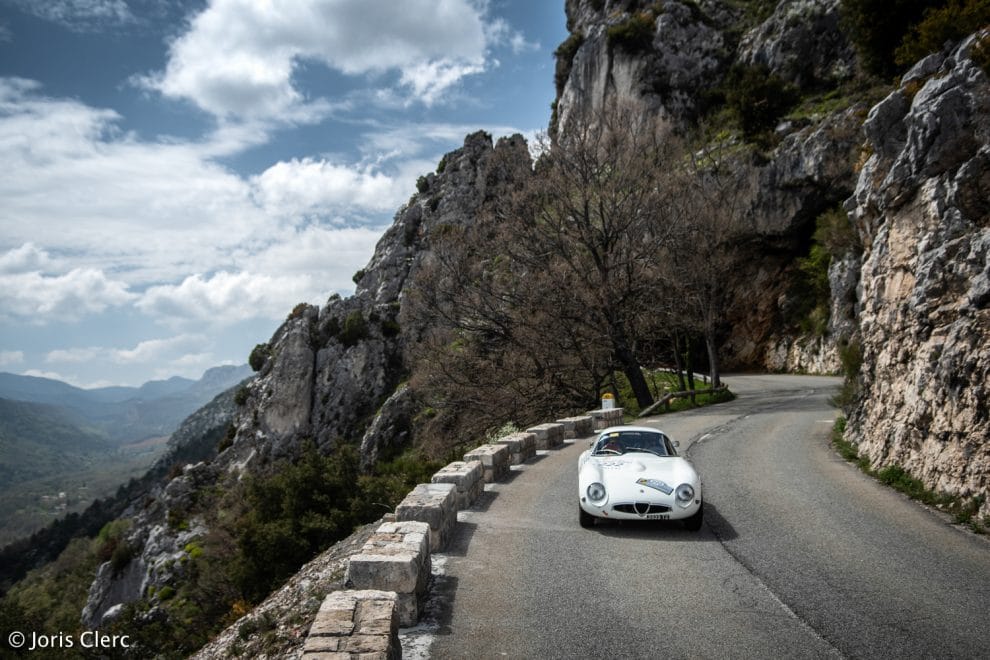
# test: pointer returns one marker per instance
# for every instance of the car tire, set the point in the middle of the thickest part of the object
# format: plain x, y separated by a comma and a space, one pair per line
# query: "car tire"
586, 519
694, 522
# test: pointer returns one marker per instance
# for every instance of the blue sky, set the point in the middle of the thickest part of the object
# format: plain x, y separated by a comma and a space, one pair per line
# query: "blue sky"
178, 174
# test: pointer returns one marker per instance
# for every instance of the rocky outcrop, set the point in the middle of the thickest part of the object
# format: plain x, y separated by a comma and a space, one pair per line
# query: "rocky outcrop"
809, 172
690, 48
685, 53
328, 374
921, 207
802, 43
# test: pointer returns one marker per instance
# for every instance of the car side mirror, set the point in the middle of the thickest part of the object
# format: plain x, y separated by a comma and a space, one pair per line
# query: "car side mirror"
677, 443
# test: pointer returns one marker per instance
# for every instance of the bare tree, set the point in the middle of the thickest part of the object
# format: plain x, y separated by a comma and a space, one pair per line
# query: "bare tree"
596, 218
716, 192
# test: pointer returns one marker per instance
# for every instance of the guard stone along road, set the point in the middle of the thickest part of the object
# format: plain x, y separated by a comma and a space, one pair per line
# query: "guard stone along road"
801, 555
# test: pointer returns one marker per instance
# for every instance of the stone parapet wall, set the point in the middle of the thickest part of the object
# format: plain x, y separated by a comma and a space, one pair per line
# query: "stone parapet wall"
434, 504
467, 478
395, 558
604, 418
355, 624
548, 436
521, 446
578, 427
389, 577
494, 461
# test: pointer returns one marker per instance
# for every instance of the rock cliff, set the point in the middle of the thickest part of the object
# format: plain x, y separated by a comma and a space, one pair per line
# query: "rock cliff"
328, 374
667, 59
922, 208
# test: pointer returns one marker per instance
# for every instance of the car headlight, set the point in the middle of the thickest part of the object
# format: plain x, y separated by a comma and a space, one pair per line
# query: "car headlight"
685, 493
596, 492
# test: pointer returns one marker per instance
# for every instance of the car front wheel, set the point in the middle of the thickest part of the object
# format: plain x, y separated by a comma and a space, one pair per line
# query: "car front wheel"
585, 518
694, 522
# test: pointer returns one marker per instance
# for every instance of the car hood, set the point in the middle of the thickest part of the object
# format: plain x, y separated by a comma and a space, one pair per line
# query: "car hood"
673, 470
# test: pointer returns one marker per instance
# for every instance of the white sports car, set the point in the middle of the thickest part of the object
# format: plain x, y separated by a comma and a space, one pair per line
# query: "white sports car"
634, 473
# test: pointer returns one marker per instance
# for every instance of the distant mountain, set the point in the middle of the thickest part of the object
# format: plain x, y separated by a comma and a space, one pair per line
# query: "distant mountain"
62, 446
38, 439
126, 414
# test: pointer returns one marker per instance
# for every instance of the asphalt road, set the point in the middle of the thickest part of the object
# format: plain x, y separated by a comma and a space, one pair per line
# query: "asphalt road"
801, 556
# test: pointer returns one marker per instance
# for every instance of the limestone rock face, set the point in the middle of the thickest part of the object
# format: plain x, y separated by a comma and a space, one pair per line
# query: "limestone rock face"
801, 43
686, 55
922, 207
809, 172
323, 375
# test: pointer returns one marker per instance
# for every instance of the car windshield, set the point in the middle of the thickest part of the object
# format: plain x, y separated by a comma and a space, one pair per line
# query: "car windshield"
617, 443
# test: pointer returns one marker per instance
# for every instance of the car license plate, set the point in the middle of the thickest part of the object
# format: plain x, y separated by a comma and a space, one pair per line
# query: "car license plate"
658, 516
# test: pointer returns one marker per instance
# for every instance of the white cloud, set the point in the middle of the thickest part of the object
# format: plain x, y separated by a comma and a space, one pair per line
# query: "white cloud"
238, 57
70, 379
38, 298
328, 257
24, 259
131, 214
226, 298
154, 350
307, 186
10, 358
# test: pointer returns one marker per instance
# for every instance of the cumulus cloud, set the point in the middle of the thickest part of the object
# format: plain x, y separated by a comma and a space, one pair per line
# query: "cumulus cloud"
304, 186
153, 212
36, 297
238, 58
188, 354
153, 350
225, 298
23, 259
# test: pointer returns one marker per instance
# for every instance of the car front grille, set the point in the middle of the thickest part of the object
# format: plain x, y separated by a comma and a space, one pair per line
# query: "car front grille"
641, 508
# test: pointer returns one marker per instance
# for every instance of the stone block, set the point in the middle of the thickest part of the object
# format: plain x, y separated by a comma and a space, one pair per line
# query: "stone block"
494, 461
395, 558
434, 504
521, 445
606, 418
578, 427
548, 436
360, 623
468, 480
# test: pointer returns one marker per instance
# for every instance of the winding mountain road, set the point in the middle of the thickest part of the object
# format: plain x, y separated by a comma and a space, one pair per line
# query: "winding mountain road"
801, 555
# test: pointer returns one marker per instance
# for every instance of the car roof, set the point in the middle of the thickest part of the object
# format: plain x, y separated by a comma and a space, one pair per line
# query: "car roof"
619, 429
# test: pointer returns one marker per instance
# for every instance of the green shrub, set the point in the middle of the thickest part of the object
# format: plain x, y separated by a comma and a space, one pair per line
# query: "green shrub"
241, 395
635, 34
834, 231
981, 54
259, 356
851, 358
877, 27
227, 440
422, 184
390, 328
122, 555
358, 276
565, 59
757, 98
355, 329
954, 21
